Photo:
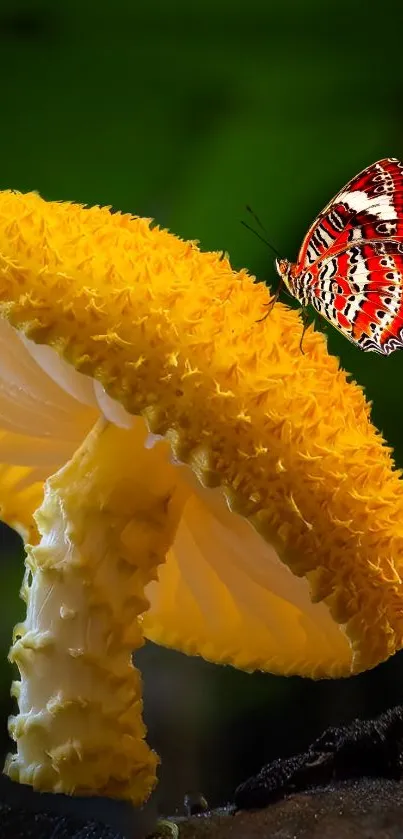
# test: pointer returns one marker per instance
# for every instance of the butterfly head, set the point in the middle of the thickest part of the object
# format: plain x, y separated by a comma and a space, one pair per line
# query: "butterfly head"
284, 267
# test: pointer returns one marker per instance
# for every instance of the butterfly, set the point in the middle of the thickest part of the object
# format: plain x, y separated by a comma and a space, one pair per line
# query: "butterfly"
350, 265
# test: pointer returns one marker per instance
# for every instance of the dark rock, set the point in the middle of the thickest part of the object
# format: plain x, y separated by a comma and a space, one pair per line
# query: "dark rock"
359, 809
365, 748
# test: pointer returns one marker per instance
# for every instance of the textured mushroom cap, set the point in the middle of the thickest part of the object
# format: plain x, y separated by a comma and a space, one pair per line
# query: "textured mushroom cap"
171, 334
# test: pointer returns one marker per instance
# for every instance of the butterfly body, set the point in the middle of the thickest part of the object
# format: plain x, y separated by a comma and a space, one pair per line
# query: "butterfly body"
350, 265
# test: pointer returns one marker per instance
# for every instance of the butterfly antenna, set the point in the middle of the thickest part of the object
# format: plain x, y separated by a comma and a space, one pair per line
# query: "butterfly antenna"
256, 217
259, 223
252, 229
285, 290
281, 285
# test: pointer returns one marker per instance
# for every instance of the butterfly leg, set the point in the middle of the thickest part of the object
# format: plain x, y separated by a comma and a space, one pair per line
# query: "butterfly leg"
364, 748
271, 303
305, 324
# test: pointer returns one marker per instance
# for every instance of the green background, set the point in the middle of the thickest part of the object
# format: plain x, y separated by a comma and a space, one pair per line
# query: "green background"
186, 112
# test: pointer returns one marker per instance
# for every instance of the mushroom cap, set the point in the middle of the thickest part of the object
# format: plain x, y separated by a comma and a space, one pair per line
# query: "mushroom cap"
289, 551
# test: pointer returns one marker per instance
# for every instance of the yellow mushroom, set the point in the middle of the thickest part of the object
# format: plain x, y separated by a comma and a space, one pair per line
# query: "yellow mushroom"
180, 472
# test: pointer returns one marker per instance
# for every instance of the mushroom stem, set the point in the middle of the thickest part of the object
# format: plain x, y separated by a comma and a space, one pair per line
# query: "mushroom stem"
106, 522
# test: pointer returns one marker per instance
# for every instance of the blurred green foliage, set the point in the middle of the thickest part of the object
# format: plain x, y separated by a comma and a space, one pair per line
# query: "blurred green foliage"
186, 112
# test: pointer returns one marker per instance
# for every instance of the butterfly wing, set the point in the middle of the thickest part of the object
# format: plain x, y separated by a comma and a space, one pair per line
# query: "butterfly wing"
350, 267
360, 291
371, 200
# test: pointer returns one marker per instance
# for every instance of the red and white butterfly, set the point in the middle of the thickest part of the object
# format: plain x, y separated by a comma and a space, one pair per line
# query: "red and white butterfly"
350, 266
